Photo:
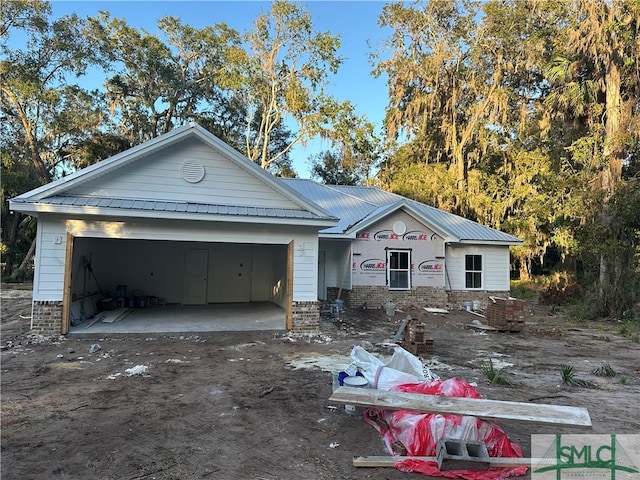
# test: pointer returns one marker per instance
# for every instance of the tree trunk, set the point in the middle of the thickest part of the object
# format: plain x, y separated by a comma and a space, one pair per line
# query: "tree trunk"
524, 271
42, 172
25, 261
612, 176
612, 150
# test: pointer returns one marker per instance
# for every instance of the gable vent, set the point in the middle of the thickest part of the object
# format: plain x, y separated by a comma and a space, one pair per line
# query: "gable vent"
192, 171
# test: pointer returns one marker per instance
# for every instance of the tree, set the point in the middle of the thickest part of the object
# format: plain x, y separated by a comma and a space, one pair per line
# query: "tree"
440, 87
159, 84
44, 113
328, 167
356, 149
283, 78
595, 78
466, 89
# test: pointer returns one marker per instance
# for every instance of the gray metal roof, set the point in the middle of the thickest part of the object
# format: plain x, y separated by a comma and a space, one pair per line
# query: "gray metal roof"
351, 209
172, 206
358, 207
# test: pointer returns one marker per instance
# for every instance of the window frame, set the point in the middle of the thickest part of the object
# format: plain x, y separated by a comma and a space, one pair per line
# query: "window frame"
473, 273
407, 270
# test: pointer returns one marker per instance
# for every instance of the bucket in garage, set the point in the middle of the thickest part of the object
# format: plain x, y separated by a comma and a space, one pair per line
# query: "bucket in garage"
355, 382
467, 306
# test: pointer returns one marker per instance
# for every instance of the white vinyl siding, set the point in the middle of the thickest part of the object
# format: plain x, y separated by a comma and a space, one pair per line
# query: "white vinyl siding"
495, 266
158, 177
51, 244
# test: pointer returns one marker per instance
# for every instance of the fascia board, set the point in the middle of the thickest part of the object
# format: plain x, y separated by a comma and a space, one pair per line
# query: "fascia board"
338, 236
486, 242
86, 211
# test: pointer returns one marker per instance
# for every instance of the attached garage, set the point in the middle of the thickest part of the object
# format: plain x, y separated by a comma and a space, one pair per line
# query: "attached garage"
183, 218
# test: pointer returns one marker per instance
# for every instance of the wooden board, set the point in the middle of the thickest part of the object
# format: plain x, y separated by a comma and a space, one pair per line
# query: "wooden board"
436, 310
527, 412
481, 327
114, 315
388, 461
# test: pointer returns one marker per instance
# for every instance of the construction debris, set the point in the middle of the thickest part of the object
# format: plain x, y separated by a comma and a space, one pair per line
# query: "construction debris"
415, 340
436, 310
390, 461
505, 314
520, 411
454, 454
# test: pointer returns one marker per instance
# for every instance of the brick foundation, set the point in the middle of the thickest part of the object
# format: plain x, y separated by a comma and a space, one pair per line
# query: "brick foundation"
306, 317
379, 296
47, 318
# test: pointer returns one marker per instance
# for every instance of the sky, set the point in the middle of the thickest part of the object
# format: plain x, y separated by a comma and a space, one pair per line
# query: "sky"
356, 22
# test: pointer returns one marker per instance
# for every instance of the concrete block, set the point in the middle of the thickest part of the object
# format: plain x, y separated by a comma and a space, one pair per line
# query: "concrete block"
455, 454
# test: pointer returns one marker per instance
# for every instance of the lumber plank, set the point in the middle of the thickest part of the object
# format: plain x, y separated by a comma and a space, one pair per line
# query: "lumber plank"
436, 310
114, 315
495, 409
389, 461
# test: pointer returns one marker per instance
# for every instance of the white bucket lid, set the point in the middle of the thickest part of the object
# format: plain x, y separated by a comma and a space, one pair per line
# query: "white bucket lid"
356, 381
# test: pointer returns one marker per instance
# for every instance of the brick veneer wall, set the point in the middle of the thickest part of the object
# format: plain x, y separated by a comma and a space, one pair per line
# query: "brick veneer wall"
379, 296
47, 318
306, 317
333, 292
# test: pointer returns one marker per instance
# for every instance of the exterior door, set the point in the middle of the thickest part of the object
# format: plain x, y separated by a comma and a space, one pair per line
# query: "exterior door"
196, 269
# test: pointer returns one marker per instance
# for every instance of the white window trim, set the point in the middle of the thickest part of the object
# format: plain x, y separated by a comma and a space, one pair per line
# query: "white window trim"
408, 270
465, 271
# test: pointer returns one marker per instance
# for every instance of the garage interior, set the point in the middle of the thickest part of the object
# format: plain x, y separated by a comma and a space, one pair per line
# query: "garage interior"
176, 286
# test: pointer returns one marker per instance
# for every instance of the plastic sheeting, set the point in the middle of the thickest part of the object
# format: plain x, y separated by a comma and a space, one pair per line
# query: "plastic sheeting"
415, 434
403, 367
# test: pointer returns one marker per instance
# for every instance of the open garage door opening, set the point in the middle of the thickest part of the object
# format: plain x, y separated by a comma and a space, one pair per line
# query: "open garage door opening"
176, 286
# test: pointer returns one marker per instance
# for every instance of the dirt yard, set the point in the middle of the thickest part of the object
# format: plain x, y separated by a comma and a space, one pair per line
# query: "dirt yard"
255, 405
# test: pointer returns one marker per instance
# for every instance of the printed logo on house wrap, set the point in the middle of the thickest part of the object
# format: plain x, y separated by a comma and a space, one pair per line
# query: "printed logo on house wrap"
430, 266
386, 235
373, 265
585, 456
418, 236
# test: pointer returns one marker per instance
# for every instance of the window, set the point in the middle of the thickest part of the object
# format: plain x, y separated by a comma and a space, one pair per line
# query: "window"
473, 271
399, 269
